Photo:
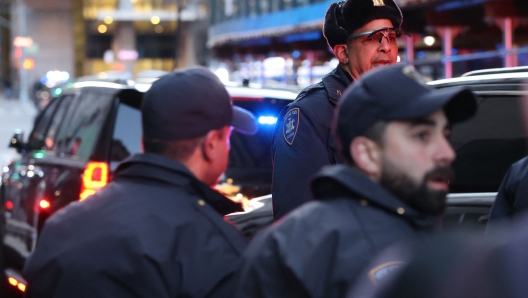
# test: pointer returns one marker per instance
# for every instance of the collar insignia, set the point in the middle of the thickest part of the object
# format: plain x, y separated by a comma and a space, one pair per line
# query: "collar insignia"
290, 125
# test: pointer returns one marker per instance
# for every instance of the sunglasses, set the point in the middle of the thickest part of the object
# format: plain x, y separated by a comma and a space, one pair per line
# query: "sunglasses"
391, 34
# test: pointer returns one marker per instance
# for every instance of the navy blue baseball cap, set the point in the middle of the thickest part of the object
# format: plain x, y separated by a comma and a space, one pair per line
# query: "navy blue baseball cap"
188, 103
396, 92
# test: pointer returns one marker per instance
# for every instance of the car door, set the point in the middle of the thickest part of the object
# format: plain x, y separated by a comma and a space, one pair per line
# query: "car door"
25, 181
486, 146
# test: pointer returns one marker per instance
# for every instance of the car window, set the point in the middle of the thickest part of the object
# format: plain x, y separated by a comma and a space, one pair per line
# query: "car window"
82, 125
37, 138
55, 123
488, 144
127, 134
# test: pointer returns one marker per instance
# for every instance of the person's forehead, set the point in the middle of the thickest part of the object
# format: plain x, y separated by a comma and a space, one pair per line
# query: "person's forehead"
373, 25
438, 118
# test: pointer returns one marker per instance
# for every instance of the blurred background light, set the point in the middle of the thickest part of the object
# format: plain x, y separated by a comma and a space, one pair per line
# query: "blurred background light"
267, 120
429, 40
102, 28
155, 20
222, 74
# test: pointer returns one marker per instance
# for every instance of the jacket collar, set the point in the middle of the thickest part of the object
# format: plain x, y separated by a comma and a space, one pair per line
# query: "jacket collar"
155, 167
333, 180
335, 83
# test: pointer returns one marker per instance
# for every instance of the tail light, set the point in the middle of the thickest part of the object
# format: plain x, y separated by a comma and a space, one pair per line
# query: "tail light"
16, 280
9, 205
44, 204
95, 177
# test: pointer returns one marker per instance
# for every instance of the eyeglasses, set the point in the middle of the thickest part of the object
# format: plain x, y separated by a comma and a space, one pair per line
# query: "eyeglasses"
391, 34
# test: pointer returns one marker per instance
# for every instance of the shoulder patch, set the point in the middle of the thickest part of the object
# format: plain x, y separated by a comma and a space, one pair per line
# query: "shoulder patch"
290, 124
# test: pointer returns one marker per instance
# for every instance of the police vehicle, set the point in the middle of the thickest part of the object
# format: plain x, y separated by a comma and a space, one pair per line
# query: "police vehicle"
82, 135
486, 146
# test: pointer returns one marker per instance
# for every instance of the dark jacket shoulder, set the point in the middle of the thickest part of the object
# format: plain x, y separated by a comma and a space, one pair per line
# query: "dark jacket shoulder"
328, 90
154, 231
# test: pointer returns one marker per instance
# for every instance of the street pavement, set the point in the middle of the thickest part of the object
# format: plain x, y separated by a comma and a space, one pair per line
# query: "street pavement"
14, 115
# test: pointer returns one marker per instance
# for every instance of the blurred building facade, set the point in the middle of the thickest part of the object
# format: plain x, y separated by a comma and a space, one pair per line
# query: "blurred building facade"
450, 37
85, 37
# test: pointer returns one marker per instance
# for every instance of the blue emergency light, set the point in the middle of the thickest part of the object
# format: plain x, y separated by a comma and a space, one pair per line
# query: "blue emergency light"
267, 120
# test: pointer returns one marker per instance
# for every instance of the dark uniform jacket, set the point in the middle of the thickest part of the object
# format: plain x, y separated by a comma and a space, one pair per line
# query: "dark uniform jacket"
512, 197
156, 231
319, 249
302, 141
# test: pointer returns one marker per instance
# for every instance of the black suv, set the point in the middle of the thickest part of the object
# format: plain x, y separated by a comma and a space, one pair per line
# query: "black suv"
486, 146
79, 139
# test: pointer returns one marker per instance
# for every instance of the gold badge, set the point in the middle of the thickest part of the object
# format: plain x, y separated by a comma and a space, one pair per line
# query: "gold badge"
378, 3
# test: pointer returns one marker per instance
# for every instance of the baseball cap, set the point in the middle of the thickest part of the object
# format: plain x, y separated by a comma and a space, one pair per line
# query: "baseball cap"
343, 18
396, 92
188, 103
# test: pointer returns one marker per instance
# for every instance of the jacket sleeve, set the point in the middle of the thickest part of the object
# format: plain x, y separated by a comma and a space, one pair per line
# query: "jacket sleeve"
58, 268
503, 206
296, 159
512, 196
263, 274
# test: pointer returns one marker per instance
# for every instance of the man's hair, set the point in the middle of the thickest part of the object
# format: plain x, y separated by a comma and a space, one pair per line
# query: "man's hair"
179, 150
375, 133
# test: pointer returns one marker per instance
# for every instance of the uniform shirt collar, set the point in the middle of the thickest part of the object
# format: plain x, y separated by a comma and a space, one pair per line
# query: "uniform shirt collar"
159, 169
335, 83
344, 181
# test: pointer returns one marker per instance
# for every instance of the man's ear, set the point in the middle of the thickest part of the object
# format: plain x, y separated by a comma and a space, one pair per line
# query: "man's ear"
209, 144
341, 53
366, 155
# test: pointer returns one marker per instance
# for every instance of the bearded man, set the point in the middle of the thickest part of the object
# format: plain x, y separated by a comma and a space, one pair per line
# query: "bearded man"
393, 132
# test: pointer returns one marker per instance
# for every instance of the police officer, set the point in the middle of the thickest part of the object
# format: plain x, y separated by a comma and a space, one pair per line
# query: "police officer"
394, 133
362, 35
157, 230
512, 195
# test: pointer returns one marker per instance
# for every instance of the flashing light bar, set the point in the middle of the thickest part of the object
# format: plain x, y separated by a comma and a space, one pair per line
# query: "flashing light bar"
267, 120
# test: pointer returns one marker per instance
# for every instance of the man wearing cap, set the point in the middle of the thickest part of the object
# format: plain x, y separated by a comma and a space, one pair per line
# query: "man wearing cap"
157, 230
394, 139
362, 35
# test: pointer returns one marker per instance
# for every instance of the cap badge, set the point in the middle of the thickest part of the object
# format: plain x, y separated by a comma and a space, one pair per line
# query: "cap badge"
378, 3
290, 125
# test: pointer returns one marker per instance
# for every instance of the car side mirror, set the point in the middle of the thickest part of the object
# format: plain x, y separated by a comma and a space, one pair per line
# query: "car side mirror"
17, 141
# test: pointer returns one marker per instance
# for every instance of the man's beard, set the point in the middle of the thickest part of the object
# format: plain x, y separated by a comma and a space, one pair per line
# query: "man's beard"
418, 196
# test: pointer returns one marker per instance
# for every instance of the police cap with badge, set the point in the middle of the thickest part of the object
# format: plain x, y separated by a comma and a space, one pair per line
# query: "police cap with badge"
344, 17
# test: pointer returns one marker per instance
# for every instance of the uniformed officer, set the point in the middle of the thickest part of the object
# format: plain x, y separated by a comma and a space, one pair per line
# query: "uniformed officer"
157, 230
394, 133
362, 35
511, 197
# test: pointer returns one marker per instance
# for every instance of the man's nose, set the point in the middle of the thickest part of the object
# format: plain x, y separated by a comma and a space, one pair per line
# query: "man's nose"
384, 45
445, 152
